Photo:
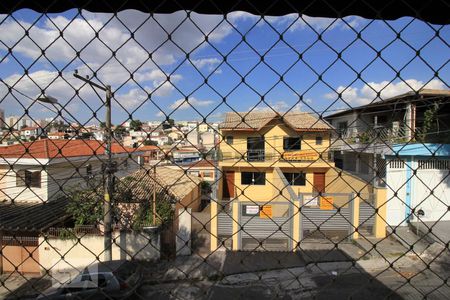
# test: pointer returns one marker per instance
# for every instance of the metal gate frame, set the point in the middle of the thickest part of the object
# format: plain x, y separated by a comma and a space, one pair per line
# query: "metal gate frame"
289, 219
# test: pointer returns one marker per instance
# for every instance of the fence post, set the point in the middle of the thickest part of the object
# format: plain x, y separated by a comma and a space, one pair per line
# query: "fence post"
297, 222
214, 232
236, 229
354, 213
380, 216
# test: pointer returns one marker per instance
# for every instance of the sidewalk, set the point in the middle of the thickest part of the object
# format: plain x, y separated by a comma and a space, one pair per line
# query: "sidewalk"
440, 232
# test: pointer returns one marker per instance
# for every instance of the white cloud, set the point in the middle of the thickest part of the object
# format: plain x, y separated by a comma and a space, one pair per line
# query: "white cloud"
279, 106
297, 22
160, 114
209, 63
133, 98
241, 16
182, 103
131, 55
359, 96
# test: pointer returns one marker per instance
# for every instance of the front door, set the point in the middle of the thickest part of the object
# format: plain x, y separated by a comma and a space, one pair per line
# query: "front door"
228, 185
319, 183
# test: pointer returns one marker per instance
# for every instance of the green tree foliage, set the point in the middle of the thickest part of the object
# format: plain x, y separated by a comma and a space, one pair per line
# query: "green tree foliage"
135, 125
86, 135
430, 127
150, 143
86, 204
58, 125
120, 130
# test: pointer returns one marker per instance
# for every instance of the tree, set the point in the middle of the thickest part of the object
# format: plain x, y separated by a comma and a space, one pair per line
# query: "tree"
150, 143
120, 130
86, 203
135, 125
102, 125
86, 135
430, 127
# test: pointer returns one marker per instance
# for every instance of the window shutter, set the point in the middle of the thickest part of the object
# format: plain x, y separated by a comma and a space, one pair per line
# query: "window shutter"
36, 179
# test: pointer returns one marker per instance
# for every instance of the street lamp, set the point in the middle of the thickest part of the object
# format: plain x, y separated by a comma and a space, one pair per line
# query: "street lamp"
47, 99
107, 219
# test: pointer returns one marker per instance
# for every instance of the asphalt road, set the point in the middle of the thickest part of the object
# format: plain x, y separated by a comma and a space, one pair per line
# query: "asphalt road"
411, 281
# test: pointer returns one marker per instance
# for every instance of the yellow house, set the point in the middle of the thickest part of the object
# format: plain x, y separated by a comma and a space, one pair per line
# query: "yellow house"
272, 164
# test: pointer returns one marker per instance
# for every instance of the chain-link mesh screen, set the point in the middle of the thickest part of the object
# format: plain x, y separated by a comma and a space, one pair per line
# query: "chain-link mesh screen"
167, 153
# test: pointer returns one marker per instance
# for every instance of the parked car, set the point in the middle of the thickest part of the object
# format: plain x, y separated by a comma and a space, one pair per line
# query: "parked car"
115, 279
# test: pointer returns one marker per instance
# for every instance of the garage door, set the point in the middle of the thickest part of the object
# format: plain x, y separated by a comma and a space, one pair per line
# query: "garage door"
266, 226
20, 254
431, 188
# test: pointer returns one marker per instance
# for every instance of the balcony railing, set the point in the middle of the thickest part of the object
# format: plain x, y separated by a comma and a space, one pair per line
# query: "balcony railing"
256, 155
260, 155
374, 135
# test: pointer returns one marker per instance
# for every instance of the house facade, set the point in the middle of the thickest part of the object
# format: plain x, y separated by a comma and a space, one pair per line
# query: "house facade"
272, 164
44, 170
399, 143
365, 134
31, 132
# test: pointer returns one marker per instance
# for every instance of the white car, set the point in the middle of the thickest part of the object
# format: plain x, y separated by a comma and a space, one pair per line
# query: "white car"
119, 281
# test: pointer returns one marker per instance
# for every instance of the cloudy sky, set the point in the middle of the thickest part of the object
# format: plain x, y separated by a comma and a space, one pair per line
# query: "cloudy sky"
163, 66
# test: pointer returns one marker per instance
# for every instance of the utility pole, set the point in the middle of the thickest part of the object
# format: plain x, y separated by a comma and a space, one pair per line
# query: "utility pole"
154, 196
110, 168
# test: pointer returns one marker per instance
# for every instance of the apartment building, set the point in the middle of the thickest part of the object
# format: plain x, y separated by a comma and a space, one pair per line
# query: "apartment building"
401, 143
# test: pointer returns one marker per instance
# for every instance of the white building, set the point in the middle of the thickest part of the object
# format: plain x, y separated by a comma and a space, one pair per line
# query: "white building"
417, 181
31, 132
50, 167
192, 126
208, 140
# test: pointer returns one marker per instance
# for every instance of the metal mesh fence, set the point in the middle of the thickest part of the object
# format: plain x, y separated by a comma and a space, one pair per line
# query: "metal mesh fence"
197, 151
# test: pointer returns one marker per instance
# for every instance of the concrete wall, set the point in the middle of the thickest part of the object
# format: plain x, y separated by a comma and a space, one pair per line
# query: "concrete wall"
130, 245
345, 183
183, 237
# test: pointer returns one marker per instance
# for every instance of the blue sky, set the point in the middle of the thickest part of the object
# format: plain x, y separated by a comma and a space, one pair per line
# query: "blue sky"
172, 81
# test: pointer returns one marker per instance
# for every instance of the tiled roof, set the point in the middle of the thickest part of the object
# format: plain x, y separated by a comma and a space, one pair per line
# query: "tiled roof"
32, 217
56, 134
29, 128
204, 163
47, 148
173, 183
148, 148
256, 120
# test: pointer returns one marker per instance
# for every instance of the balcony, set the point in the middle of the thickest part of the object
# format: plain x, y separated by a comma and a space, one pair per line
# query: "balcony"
258, 156
376, 134
254, 155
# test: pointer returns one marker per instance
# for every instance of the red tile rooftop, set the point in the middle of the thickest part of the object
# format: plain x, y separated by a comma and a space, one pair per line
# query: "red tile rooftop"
47, 148
29, 128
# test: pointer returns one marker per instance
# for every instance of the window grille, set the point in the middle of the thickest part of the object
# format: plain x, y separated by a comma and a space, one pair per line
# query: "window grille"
234, 149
